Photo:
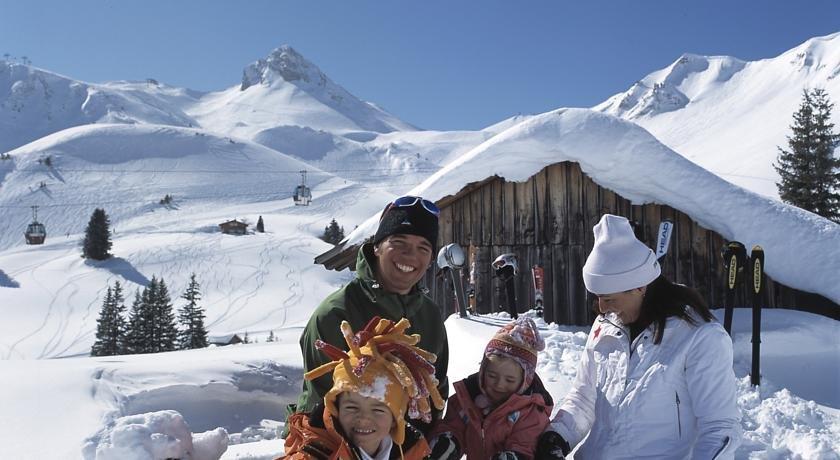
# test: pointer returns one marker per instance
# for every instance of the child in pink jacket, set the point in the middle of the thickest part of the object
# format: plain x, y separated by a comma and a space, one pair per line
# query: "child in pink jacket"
499, 412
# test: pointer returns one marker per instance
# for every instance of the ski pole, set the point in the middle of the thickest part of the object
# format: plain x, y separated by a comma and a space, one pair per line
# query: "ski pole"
757, 256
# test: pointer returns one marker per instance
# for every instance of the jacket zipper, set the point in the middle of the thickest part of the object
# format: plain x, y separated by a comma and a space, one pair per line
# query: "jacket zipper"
722, 448
679, 422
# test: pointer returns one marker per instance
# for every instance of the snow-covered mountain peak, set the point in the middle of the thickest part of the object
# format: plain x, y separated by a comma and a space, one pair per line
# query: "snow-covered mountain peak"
285, 63
673, 87
728, 115
818, 54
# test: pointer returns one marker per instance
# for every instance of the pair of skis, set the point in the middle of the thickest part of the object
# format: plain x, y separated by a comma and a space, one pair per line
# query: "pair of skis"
736, 259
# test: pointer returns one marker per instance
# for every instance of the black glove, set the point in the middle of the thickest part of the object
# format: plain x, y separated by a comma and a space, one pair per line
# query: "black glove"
445, 448
508, 455
551, 446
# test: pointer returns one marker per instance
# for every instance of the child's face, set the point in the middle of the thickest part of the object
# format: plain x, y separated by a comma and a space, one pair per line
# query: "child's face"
502, 377
366, 421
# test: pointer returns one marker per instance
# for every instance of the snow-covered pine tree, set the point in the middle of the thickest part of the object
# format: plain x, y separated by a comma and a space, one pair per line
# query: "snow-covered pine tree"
191, 316
166, 333
136, 332
260, 225
333, 233
111, 325
97, 242
271, 337
809, 170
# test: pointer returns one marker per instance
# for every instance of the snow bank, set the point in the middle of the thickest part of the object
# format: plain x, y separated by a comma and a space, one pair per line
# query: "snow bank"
155, 435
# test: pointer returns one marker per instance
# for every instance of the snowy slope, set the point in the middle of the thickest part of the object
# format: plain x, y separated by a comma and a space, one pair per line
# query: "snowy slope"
286, 90
625, 158
35, 103
127, 169
729, 115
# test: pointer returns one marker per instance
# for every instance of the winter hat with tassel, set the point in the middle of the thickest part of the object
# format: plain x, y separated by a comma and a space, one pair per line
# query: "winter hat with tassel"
385, 364
519, 340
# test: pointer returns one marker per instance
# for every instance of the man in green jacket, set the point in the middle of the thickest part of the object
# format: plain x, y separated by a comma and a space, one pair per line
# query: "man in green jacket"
387, 273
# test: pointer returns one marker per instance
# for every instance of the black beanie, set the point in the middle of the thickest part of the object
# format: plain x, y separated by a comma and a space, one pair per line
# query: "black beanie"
408, 220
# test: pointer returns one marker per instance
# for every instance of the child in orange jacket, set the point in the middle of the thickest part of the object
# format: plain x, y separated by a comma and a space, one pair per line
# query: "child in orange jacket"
363, 417
499, 412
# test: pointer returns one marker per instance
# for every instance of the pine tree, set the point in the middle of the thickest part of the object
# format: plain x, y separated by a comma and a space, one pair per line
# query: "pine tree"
191, 316
260, 225
97, 242
333, 233
165, 334
110, 327
271, 337
809, 170
136, 333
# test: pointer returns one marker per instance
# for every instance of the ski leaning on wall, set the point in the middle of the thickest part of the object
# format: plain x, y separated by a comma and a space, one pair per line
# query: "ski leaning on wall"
757, 256
734, 256
663, 238
538, 277
473, 275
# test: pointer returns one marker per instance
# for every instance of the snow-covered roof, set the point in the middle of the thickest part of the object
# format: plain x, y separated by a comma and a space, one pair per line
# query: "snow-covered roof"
802, 249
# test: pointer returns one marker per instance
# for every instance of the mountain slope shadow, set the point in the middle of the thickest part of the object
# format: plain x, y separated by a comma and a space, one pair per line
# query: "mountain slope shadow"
120, 267
6, 281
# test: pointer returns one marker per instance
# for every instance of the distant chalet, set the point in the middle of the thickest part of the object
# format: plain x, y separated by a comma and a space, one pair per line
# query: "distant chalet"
222, 340
234, 227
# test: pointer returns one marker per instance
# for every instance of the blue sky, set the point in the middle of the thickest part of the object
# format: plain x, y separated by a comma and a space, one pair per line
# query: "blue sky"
449, 65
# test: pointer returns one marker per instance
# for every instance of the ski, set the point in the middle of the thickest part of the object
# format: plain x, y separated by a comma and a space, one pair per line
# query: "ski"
734, 258
538, 277
757, 256
507, 267
663, 239
471, 289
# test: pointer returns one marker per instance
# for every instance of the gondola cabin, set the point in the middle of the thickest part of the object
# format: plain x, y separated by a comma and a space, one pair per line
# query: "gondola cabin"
36, 233
302, 196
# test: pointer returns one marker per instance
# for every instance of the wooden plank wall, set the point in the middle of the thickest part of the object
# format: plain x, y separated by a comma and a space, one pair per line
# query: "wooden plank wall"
548, 220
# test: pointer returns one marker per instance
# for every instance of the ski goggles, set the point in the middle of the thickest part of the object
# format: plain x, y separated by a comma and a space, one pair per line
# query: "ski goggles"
409, 201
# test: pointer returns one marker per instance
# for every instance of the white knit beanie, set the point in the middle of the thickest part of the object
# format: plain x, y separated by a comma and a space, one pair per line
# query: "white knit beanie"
618, 261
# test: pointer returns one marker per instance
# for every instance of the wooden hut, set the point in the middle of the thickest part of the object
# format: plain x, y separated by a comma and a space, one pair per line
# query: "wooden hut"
547, 220
222, 340
233, 227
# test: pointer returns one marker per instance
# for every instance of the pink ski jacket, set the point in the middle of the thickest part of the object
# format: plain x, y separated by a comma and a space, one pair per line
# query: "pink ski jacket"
513, 426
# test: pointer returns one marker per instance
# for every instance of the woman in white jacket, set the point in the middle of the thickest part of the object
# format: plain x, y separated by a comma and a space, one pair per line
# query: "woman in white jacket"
655, 378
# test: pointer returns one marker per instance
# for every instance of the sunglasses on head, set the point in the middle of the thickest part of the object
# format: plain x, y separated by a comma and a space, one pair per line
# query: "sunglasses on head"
409, 201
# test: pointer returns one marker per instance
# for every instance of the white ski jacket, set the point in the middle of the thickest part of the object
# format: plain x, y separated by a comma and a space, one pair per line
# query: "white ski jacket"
672, 400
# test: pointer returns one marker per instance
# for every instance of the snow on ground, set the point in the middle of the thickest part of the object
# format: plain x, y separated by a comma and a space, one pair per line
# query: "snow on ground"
114, 402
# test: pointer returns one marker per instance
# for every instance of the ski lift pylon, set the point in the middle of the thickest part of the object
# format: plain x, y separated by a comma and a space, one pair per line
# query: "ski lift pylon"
35, 233
302, 196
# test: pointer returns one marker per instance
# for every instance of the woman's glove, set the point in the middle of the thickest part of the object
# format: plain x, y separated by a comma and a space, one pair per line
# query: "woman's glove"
551, 446
445, 447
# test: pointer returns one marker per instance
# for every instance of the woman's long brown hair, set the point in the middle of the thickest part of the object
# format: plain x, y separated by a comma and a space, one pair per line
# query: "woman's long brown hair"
663, 299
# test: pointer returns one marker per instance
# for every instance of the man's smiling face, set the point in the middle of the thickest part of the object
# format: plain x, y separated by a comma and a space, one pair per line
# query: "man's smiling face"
402, 261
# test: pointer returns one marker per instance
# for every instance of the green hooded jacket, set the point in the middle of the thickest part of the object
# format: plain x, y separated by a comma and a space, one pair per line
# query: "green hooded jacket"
358, 302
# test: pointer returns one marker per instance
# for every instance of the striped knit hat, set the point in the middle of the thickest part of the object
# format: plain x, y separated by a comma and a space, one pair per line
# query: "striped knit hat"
519, 340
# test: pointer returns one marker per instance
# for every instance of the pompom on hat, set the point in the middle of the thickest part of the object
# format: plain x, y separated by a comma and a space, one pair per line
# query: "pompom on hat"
385, 364
519, 340
618, 261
